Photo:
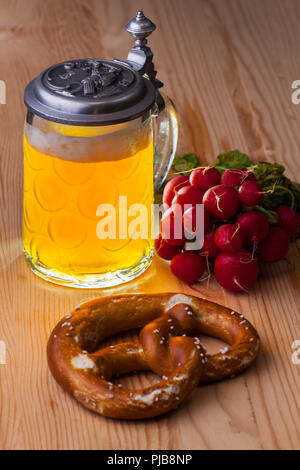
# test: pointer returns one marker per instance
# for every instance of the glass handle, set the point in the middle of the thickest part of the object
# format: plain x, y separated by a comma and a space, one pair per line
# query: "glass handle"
165, 141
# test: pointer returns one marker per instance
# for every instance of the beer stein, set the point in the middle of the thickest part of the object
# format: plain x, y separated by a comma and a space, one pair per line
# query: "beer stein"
99, 139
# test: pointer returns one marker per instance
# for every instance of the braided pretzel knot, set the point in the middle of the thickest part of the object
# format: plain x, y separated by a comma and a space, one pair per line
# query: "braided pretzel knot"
84, 370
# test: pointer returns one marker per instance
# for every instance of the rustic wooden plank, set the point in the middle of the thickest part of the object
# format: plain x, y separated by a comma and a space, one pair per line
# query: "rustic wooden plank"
229, 67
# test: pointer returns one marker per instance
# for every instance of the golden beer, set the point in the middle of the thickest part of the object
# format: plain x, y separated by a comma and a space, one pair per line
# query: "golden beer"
61, 198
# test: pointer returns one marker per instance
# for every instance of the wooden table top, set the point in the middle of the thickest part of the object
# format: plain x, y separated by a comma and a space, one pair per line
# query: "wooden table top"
229, 67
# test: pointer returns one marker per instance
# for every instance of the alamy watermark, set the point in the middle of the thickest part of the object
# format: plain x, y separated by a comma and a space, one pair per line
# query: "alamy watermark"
296, 353
295, 96
138, 221
2, 92
2, 352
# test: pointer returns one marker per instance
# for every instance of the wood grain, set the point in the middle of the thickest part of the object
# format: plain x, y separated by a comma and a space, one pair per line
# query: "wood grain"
229, 66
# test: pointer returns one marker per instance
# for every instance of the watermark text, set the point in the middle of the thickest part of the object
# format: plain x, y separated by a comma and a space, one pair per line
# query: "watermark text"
2, 92
296, 353
139, 221
2, 353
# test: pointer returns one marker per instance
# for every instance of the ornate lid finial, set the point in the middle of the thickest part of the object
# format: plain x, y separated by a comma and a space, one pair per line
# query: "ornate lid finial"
141, 57
140, 27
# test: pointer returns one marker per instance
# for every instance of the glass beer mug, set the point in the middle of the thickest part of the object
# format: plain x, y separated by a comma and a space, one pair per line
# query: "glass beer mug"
99, 138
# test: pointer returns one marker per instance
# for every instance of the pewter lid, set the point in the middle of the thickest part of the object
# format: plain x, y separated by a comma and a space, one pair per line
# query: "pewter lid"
90, 92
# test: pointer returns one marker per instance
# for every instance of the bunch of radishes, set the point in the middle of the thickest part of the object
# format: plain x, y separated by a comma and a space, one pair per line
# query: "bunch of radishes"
236, 236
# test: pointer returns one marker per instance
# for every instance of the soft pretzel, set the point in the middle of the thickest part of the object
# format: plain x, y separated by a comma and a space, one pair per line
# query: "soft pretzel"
114, 402
206, 318
85, 371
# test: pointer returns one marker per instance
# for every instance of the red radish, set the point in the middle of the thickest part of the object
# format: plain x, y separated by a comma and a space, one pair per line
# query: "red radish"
229, 238
254, 226
221, 201
288, 219
210, 248
165, 250
188, 266
205, 177
188, 195
237, 176
250, 193
189, 220
236, 271
172, 187
274, 247
172, 228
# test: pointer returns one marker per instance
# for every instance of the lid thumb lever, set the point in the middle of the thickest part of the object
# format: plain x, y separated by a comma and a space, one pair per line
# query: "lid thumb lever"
141, 57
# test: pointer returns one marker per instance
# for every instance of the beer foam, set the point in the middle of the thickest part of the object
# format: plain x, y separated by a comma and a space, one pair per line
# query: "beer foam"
105, 147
